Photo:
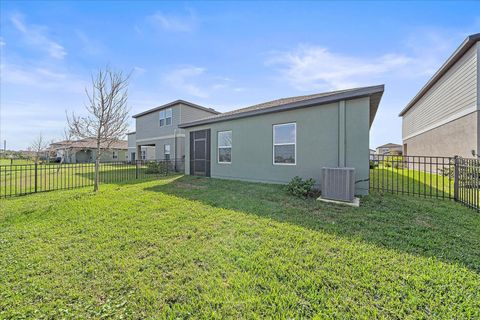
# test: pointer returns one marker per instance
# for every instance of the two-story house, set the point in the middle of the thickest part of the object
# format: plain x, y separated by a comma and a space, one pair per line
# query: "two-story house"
443, 119
157, 135
389, 148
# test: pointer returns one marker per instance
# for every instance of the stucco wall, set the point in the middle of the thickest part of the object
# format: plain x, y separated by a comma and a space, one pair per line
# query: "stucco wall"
458, 137
317, 144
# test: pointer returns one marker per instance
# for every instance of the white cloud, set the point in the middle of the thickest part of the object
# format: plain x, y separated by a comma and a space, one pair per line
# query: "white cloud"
89, 45
418, 56
139, 70
178, 23
36, 36
195, 81
183, 80
313, 67
2, 42
40, 77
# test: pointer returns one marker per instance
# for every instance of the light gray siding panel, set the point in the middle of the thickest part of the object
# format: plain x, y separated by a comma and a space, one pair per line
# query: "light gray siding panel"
148, 126
189, 114
455, 93
131, 140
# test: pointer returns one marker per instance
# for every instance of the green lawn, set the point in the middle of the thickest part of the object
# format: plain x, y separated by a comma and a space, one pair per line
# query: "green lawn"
185, 247
7, 161
418, 182
20, 179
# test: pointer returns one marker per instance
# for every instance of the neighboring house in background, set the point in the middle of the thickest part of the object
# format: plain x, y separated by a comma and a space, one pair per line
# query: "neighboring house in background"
390, 148
147, 153
373, 153
443, 118
280, 139
157, 129
85, 150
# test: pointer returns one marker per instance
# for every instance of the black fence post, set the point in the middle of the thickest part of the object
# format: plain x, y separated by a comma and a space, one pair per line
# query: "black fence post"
456, 179
136, 169
36, 175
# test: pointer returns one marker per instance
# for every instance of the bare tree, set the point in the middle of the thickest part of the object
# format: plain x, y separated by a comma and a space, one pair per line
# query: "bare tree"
38, 145
107, 110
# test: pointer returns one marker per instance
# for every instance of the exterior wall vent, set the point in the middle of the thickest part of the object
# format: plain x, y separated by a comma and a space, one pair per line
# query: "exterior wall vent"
338, 184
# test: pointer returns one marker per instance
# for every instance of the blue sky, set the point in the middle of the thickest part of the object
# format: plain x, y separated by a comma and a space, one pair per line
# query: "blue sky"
220, 55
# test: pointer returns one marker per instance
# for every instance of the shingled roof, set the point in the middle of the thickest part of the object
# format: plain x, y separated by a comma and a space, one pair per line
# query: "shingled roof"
375, 92
88, 143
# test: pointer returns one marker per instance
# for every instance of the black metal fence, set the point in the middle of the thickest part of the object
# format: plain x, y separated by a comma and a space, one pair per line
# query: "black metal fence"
22, 179
428, 176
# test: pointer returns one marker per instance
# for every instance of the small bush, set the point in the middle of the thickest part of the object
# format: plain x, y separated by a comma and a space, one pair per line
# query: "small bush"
395, 162
157, 167
373, 164
152, 167
299, 187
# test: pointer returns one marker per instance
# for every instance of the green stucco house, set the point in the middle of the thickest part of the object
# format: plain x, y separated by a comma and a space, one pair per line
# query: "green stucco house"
277, 140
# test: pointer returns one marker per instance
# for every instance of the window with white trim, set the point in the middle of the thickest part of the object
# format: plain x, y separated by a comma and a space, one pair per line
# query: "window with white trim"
143, 154
114, 154
224, 147
166, 151
285, 143
165, 117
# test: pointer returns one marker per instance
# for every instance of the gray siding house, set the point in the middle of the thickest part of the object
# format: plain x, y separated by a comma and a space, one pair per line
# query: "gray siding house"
389, 148
443, 118
277, 140
157, 132
146, 152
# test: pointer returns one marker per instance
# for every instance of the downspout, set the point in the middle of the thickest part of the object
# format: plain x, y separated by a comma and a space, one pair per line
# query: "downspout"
175, 147
342, 134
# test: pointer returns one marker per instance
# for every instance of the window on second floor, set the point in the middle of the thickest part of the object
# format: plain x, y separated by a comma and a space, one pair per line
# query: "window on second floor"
166, 117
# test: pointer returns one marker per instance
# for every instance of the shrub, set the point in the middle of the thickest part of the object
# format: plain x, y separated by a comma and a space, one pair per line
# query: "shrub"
152, 167
157, 167
396, 162
373, 164
299, 187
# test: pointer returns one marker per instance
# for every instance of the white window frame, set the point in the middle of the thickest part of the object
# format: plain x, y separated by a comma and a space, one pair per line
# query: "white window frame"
143, 154
284, 144
164, 117
114, 154
224, 147
165, 150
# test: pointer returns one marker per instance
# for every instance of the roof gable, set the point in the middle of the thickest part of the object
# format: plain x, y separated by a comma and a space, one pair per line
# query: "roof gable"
454, 58
174, 103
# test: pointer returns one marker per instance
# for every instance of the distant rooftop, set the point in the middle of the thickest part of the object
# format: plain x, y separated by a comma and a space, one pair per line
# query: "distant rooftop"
88, 143
390, 145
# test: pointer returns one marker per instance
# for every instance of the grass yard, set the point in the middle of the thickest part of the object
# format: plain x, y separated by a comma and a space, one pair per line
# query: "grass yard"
7, 161
20, 179
184, 247
419, 182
